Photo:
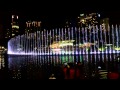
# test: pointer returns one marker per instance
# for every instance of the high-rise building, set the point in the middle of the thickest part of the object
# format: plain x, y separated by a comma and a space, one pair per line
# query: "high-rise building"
92, 19
13, 28
8, 34
32, 26
15, 25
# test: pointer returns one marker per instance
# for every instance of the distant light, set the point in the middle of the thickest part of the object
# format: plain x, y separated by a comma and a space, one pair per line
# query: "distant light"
99, 67
13, 34
17, 17
81, 14
15, 26
98, 15
12, 16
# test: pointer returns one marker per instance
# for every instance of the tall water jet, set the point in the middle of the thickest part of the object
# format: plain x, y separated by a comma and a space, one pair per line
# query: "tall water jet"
113, 38
66, 41
117, 38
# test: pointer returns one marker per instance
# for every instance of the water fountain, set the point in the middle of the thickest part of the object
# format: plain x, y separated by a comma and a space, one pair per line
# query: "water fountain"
94, 45
92, 40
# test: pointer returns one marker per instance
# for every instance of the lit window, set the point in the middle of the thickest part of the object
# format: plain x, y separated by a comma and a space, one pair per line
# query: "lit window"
13, 34
98, 15
15, 26
81, 14
12, 16
17, 17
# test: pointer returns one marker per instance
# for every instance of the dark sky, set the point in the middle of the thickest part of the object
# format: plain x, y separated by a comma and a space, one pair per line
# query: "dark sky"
58, 17
52, 14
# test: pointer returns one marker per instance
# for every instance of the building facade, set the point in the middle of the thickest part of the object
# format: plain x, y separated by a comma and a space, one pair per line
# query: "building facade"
32, 26
92, 19
13, 28
15, 25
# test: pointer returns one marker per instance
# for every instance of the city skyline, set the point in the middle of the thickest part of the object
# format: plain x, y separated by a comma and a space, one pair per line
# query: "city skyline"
53, 20
59, 18
59, 39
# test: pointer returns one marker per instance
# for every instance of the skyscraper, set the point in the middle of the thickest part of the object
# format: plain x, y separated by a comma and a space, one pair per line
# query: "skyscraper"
12, 28
8, 34
15, 25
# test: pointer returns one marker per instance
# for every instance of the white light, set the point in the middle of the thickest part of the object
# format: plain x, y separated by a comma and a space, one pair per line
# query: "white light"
15, 26
99, 67
17, 17
12, 16
81, 14
98, 15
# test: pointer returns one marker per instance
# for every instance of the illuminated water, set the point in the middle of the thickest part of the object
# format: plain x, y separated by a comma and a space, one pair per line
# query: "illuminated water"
41, 67
92, 40
37, 55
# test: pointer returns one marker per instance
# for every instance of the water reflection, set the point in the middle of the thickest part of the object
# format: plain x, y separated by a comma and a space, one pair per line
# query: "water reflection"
18, 61
41, 67
2, 61
2, 66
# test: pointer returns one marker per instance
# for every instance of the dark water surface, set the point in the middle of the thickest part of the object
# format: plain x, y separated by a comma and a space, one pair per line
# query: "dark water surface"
41, 67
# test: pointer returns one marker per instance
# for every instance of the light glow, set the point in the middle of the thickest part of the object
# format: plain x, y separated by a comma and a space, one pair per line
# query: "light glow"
15, 26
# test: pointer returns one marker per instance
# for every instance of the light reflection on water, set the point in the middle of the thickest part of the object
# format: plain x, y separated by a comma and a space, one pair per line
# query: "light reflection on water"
2, 67
2, 61
38, 67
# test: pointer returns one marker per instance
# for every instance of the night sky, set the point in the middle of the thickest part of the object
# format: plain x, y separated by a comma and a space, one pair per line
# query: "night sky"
57, 18
53, 15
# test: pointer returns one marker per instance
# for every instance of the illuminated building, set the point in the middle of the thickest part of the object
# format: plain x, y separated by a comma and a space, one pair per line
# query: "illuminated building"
32, 26
15, 26
2, 50
8, 33
12, 28
92, 19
